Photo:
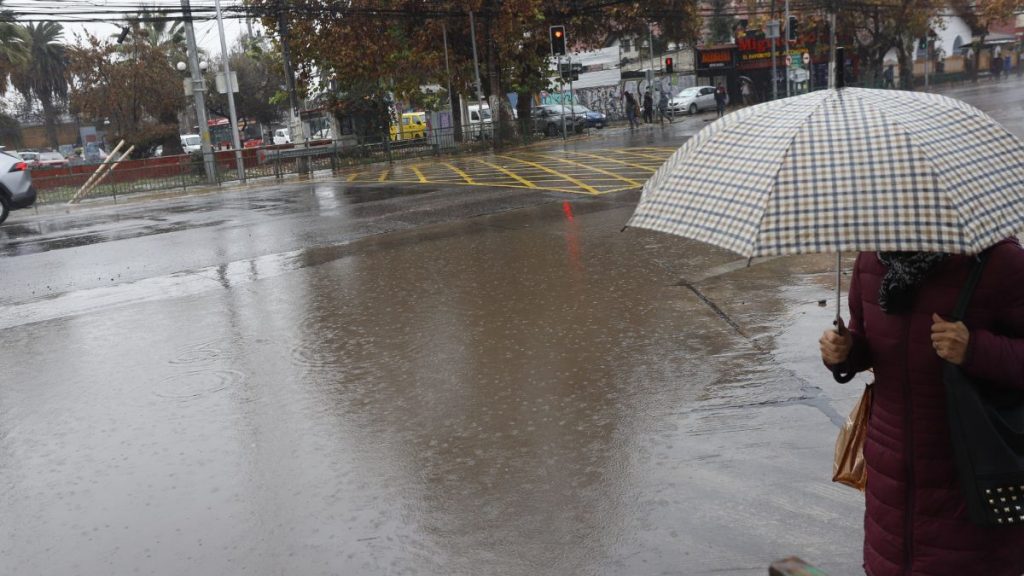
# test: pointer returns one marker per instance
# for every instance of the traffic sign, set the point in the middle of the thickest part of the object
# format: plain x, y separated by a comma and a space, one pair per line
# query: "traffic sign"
807, 57
789, 60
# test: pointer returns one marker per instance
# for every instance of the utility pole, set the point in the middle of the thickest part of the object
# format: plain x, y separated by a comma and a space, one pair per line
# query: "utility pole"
786, 44
773, 36
226, 68
294, 118
476, 70
447, 71
198, 92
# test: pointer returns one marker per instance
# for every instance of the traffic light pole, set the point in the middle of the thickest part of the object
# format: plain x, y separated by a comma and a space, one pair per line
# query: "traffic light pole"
785, 43
561, 89
198, 89
476, 70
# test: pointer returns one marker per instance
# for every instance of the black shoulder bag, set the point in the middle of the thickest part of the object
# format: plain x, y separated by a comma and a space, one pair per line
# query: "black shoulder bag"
987, 431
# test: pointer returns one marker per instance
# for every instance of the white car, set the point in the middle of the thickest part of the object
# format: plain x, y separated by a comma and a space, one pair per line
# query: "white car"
191, 143
281, 136
693, 100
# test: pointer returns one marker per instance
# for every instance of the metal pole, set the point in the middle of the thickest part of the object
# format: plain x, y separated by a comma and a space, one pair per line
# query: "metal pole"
226, 68
561, 89
775, 77
447, 71
832, 49
476, 70
786, 44
927, 57
650, 38
198, 92
294, 117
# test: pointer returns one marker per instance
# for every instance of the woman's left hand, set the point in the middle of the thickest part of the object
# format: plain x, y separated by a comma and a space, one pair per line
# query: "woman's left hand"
949, 339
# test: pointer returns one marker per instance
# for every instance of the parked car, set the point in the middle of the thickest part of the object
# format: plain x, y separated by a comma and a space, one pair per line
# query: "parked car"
16, 190
281, 136
93, 154
27, 155
593, 119
693, 100
191, 143
50, 159
548, 119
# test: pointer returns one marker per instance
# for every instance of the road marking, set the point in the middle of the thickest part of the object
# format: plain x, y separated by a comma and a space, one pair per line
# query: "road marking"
416, 170
384, 175
353, 176
515, 176
459, 172
589, 189
640, 166
596, 169
642, 155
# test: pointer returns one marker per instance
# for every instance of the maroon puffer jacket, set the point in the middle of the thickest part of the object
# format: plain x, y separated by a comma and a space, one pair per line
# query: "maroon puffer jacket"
916, 522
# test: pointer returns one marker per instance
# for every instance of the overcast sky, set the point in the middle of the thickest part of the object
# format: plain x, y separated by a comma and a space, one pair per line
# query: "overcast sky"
100, 17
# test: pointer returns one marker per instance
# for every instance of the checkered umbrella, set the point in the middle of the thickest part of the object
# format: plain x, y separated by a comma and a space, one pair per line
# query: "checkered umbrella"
843, 170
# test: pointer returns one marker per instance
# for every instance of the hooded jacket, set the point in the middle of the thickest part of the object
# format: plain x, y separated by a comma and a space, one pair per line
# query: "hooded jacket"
915, 521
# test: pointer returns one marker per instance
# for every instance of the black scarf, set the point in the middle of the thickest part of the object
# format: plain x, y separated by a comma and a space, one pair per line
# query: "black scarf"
906, 271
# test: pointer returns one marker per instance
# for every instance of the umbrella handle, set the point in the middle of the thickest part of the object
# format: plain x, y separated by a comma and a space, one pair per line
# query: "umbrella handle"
837, 373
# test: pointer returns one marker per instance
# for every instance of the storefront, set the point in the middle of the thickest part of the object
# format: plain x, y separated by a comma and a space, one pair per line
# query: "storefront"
718, 65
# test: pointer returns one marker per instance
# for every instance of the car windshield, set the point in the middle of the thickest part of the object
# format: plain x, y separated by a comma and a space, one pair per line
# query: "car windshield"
580, 109
689, 92
50, 156
192, 141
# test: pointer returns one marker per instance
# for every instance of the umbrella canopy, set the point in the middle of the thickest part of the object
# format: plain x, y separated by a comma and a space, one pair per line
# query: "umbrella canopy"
843, 170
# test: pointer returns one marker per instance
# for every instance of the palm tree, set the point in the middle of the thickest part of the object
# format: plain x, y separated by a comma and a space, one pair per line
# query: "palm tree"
45, 76
14, 47
167, 35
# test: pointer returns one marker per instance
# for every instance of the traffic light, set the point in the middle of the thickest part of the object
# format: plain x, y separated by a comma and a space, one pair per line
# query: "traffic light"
557, 40
922, 44
791, 31
668, 65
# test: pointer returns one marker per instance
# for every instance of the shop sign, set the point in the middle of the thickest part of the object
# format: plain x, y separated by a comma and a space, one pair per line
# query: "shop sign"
715, 58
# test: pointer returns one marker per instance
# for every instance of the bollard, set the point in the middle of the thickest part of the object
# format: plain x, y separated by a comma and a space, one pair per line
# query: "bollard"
793, 566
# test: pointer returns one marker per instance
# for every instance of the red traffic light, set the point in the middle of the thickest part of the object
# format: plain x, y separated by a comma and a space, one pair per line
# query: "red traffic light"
668, 65
557, 37
559, 33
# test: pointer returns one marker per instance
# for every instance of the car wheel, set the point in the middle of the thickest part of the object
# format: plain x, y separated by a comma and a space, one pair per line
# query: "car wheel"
551, 130
5, 209
693, 109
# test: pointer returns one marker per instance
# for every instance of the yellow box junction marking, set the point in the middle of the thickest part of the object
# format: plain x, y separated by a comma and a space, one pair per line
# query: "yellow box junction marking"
583, 185
465, 176
606, 159
509, 173
416, 170
595, 169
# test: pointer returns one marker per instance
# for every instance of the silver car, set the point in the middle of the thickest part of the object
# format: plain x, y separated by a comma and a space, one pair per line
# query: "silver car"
693, 100
16, 190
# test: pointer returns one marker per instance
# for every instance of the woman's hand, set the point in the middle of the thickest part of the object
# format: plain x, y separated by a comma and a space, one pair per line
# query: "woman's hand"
835, 345
950, 339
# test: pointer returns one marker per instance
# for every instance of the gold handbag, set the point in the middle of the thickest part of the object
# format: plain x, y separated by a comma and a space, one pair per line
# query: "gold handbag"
849, 467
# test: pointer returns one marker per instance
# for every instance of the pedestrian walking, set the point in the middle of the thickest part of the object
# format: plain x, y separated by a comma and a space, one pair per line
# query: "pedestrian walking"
663, 108
648, 107
916, 520
996, 66
889, 75
745, 93
721, 98
631, 110
1007, 66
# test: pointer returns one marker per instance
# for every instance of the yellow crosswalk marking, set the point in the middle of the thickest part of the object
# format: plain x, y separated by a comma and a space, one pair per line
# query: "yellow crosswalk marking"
504, 170
353, 176
583, 185
595, 169
384, 175
640, 166
416, 170
465, 176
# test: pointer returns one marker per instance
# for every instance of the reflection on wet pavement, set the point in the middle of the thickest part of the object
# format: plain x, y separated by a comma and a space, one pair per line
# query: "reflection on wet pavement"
500, 395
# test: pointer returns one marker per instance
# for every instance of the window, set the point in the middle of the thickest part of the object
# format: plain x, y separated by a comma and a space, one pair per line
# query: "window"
625, 44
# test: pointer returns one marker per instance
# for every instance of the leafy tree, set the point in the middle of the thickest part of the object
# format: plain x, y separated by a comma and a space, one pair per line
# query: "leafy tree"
134, 86
14, 47
260, 74
721, 24
45, 76
396, 45
980, 15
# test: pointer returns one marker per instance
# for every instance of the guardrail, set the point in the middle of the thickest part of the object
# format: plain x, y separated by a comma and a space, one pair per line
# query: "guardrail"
180, 174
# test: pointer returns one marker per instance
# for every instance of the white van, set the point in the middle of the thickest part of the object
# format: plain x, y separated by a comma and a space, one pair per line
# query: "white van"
477, 116
281, 136
191, 143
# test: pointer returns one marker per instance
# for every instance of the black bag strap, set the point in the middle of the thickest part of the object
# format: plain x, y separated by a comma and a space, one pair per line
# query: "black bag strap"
968, 289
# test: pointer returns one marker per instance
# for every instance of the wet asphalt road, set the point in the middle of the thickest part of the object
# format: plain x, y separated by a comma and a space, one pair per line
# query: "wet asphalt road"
334, 378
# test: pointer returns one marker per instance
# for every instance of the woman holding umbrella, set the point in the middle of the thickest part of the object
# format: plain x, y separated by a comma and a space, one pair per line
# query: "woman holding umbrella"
916, 522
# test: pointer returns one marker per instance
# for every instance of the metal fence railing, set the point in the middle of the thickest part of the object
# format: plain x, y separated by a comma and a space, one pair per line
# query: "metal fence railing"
184, 173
